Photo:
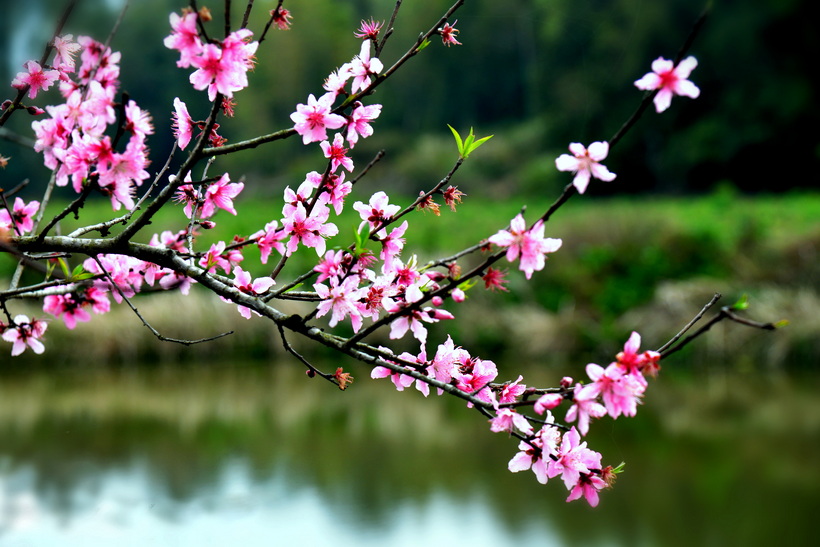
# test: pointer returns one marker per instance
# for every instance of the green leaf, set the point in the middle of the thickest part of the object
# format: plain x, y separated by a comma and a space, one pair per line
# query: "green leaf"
782, 323
423, 45
469, 144
742, 303
362, 233
478, 143
459, 142
620, 468
64, 268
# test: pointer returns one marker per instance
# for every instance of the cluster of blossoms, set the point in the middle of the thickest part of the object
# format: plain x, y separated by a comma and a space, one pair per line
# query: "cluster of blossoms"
221, 67
73, 140
553, 449
352, 284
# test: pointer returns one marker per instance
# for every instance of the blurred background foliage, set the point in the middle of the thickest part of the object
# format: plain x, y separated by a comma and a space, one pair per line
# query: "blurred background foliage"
538, 73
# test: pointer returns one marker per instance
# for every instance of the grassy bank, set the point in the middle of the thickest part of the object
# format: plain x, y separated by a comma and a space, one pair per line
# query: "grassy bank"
647, 264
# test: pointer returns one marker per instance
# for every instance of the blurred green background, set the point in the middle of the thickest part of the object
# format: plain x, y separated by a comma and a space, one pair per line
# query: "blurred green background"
112, 435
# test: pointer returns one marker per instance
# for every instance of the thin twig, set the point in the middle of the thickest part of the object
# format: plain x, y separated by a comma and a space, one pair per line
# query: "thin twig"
154, 331
691, 323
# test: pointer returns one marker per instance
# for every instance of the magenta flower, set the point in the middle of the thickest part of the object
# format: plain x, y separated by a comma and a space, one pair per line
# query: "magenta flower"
314, 119
25, 333
35, 78
669, 80
182, 123
337, 153
584, 163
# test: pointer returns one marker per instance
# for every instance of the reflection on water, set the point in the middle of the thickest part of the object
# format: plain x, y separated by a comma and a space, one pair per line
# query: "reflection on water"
260, 455
239, 509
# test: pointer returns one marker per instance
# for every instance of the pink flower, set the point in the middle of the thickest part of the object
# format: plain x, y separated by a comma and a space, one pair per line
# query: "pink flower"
393, 244
223, 69
369, 30
35, 78
377, 212
358, 124
669, 80
71, 307
588, 485
506, 419
362, 67
310, 231
585, 407
511, 391
547, 402
573, 459
620, 392
242, 282
536, 453
214, 259
341, 299
21, 218
268, 239
335, 190
337, 153
281, 17
474, 376
448, 34
584, 163
220, 195
65, 48
137, 121
182, 123
25, 333
635, 363
314, 119
184, 38
400, 380
530, 245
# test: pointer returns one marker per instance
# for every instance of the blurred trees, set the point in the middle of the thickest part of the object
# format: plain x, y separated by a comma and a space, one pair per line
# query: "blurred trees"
538, 73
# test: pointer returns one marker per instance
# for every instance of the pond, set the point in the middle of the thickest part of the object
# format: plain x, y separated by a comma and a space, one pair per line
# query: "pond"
258, 454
